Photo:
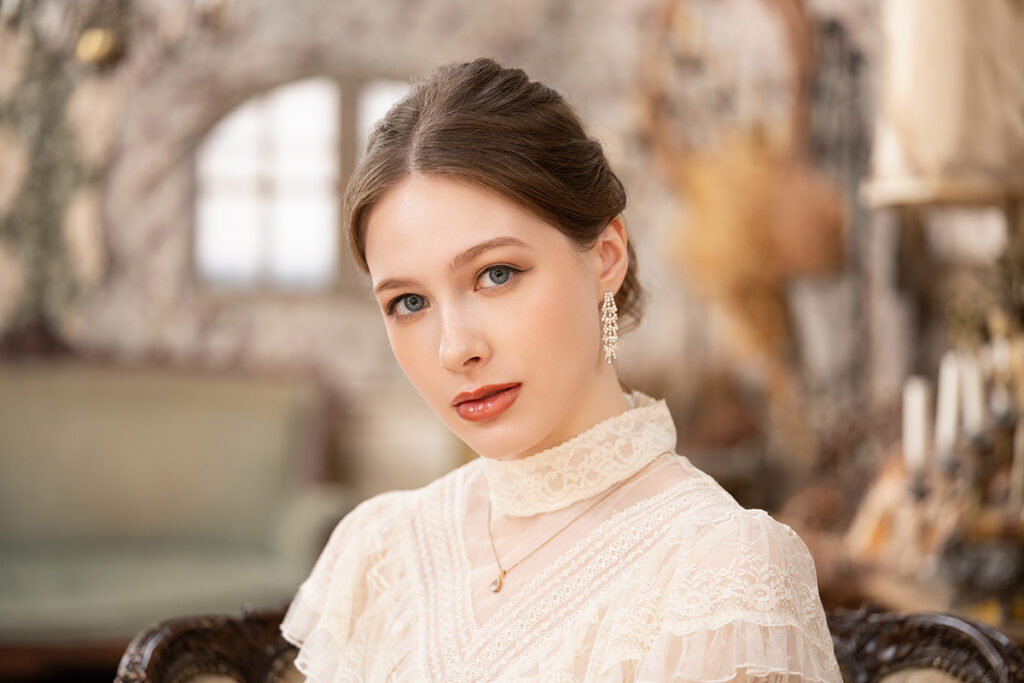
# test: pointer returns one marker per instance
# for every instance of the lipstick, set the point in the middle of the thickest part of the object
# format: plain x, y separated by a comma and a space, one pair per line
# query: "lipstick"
486, 403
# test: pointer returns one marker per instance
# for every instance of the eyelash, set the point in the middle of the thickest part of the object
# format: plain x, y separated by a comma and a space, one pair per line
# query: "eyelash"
513, 274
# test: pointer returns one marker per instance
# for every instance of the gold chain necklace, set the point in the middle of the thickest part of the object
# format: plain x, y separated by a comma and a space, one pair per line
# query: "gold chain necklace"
499, 582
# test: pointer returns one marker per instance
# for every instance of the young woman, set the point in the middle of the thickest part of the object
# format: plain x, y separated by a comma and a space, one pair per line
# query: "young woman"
578, 546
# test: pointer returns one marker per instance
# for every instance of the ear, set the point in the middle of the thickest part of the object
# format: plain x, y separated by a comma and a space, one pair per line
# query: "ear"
611, 256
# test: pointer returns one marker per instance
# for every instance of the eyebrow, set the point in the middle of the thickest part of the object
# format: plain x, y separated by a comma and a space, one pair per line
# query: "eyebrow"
460, 260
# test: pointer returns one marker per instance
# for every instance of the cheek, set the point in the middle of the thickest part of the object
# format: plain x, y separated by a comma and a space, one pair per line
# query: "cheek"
564, 329
411, 350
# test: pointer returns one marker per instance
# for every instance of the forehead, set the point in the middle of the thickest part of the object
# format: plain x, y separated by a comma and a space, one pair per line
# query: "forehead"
426, 221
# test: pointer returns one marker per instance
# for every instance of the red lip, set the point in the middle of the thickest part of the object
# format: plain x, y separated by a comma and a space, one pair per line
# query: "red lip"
486, 403
481, 392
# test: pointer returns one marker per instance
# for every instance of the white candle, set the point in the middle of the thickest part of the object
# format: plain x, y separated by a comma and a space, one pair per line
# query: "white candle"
972, 396
947, 410
916, 402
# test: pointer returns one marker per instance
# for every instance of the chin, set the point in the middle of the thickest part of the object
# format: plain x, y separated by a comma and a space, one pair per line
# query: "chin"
497, 443
501, 439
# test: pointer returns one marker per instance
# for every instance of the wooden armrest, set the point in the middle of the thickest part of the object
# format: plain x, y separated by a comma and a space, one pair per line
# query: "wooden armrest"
248, 648
870, 645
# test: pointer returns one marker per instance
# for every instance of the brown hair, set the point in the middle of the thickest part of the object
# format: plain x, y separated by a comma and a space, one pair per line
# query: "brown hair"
492, 126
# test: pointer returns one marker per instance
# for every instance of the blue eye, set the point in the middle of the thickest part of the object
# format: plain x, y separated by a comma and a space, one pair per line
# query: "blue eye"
411, 303
498, 275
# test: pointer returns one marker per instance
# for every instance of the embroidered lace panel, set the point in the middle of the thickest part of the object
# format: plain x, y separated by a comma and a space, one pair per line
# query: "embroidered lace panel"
585, 465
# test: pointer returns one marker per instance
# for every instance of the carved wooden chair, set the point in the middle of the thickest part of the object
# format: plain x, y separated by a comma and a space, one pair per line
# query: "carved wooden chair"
870, 646
925, 647
211, 649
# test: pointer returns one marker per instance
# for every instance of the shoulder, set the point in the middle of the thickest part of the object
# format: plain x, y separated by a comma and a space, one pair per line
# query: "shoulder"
726, 593
751, 539
739, 602
386, 513
706, 513
369, 543
739, 559
721, 537
747, 567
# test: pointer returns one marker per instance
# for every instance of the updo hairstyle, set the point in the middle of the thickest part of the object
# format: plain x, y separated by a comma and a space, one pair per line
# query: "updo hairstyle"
484, 124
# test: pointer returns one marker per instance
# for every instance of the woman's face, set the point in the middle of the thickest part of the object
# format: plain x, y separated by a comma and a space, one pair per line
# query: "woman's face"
492, 313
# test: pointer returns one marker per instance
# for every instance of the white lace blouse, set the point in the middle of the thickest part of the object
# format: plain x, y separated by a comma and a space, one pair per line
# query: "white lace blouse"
666, 579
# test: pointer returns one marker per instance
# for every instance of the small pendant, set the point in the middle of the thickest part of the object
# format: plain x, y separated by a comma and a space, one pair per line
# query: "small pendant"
496, 585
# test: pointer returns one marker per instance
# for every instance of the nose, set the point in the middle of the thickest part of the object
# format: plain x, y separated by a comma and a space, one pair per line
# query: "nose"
463, 343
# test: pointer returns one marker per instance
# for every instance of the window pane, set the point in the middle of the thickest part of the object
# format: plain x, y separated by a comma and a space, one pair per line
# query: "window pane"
228, 246
304, 125
304, 241
232, 146
267, 190
375, 98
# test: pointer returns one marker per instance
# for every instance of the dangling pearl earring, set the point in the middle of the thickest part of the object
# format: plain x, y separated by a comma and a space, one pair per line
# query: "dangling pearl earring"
609, 326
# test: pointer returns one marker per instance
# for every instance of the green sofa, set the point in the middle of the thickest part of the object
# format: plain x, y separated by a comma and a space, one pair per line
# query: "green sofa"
130, 496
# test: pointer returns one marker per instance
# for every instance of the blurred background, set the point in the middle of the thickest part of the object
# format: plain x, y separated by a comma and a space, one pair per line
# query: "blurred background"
195, 385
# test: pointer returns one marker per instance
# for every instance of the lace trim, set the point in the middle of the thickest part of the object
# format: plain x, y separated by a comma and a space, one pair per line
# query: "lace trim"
586, 464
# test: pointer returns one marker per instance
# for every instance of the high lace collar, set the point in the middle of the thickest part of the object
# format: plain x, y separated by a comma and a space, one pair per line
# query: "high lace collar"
586, 464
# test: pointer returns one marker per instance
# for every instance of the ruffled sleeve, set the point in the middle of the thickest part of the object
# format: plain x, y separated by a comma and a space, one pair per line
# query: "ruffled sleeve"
329, 619
740, 604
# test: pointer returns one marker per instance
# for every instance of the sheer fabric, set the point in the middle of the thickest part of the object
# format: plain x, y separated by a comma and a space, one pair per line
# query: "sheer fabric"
667, 579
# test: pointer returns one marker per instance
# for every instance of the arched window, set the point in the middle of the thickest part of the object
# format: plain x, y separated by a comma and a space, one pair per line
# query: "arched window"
268, 184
